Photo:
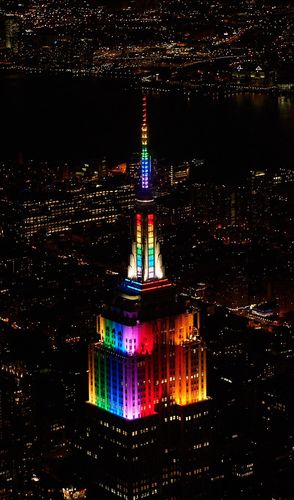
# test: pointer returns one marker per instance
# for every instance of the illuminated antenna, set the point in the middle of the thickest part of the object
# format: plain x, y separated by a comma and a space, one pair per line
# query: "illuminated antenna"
145, 158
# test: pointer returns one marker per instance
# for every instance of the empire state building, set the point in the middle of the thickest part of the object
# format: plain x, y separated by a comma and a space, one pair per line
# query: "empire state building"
146, 430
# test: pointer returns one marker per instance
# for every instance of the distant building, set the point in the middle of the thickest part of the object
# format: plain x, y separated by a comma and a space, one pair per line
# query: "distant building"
17, 428
11, 32
179, 173
58, 211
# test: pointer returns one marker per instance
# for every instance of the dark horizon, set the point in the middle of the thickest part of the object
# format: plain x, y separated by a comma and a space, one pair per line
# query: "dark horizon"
233, 135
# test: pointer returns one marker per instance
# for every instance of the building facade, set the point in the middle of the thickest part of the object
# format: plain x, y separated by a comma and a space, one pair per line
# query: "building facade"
147, 418
59, 211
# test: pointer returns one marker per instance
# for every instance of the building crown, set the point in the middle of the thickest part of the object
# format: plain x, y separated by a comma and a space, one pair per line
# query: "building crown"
145, 265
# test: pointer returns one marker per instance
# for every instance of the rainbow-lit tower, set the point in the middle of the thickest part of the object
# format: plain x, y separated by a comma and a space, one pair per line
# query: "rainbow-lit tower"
145, 261
147, 369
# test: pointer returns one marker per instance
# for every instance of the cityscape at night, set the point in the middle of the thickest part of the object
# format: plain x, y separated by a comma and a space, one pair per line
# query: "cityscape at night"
190, 46
147, 249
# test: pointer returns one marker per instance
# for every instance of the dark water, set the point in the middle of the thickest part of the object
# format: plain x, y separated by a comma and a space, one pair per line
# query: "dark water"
63, 118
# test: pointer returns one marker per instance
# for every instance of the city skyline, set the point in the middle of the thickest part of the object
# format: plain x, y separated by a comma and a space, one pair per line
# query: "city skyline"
146, 257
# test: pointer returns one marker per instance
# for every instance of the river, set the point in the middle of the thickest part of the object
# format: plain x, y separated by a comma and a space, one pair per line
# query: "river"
70, 119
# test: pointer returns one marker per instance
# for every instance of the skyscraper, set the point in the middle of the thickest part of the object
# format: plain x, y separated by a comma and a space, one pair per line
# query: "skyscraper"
11, 32
147, 417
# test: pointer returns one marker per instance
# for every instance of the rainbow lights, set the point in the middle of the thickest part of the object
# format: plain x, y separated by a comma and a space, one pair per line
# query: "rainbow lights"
134, 366
145, 168
145, 158
135, 339
135, 363
120, 368
137, 287
139, 244
151, 250
145, 260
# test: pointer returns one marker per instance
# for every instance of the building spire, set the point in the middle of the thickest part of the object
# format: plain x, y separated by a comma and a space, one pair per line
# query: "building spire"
145, 260
145, 183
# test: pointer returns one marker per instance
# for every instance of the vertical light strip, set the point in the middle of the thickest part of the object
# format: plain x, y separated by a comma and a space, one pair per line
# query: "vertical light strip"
92, 380
139, 244
151, 260
145, 159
